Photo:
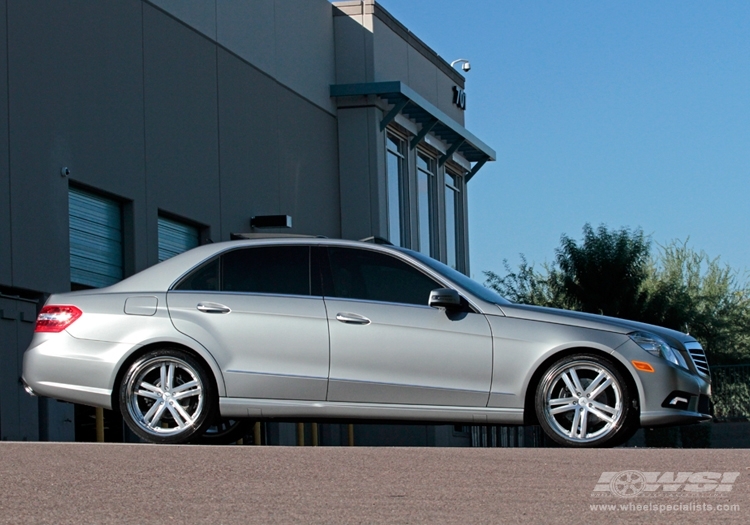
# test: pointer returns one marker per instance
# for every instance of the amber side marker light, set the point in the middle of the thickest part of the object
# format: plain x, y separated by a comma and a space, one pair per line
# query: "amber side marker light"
643, 366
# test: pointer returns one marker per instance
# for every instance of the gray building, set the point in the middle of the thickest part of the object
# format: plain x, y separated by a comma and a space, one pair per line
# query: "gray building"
137, 129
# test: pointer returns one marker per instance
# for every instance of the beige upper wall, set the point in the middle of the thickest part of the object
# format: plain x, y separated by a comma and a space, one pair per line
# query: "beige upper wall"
372, 46
291, 42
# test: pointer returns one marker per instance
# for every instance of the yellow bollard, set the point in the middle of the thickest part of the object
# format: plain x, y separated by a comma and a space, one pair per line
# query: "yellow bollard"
315, 442
351, 435
99, 425
256, 433
300, 434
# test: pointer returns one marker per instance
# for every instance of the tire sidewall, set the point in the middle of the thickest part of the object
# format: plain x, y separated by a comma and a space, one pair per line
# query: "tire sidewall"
209, 396
622, 426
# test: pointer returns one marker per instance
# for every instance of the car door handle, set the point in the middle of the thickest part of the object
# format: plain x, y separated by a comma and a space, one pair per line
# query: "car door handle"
213, 308
352, 318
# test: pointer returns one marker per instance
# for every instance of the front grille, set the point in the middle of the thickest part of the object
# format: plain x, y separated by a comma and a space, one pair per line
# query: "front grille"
699, 358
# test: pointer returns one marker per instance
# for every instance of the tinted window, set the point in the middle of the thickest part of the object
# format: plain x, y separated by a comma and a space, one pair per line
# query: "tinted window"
373, 276
269, 269
206, 277
460, 279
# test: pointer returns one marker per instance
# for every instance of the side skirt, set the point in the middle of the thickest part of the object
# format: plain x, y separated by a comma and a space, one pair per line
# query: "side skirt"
290, 409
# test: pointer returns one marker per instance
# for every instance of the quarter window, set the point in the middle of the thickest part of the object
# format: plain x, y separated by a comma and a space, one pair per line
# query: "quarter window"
375, 276
267, 270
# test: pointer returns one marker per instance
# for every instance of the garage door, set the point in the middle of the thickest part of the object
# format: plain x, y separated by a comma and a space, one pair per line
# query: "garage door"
175, 237
95, 239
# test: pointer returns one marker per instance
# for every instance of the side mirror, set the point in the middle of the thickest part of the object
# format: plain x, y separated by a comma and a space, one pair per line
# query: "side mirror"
444, 298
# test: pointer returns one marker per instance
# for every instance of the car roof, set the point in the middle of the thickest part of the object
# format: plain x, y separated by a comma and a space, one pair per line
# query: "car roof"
160, 277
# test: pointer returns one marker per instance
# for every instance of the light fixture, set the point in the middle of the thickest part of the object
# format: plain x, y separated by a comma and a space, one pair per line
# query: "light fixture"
465, 66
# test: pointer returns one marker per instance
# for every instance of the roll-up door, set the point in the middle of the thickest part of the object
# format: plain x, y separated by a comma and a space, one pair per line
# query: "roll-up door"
95, 239
175, 237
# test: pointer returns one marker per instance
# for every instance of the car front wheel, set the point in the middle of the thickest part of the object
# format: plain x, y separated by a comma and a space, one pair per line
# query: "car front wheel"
584, 401
166, 397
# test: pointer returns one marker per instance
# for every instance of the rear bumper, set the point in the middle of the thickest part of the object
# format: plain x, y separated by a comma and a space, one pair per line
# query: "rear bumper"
75, 370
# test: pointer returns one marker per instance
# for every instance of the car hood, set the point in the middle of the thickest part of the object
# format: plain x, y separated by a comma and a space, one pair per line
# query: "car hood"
593, 321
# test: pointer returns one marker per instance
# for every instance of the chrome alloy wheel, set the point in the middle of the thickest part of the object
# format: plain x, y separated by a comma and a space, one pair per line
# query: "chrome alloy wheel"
583, 401
165, 396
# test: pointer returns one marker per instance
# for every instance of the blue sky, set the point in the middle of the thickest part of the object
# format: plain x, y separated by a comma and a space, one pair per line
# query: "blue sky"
629, 114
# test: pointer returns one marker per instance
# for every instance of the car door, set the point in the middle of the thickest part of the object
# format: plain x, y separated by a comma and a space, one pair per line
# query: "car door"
388, 346
262, 317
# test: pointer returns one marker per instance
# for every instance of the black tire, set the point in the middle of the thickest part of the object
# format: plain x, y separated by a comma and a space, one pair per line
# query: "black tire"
167, 415
223, 431
584, 401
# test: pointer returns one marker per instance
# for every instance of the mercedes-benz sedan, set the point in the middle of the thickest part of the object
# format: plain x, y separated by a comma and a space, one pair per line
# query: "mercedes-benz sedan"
313, 328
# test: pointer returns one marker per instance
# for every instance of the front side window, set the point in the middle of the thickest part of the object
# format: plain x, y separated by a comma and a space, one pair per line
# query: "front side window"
375, 276
396, 167
267, 270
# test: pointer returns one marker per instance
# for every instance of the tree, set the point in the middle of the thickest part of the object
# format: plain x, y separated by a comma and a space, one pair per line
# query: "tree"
605, 273
613, 273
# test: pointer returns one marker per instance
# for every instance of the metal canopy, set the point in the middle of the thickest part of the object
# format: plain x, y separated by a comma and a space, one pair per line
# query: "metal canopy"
408, 102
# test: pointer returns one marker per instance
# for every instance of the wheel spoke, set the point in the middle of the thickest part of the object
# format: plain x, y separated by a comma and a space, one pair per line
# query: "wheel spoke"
601, 388
576, 381
604, 408
595, 382
568, 382
184, 386
148, 415
178, 418
152, 388
163, 377
558, 406
574, 425
601, 415
148, 394
170, 378
188, 393
583, 424
156, 418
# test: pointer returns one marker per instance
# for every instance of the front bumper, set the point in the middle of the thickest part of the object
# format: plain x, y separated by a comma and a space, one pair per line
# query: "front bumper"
672, 395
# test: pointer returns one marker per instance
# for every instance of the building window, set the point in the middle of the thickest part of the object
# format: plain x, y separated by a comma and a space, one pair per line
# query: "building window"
176, 237
396, 178
453, 221
96, 257
425, 202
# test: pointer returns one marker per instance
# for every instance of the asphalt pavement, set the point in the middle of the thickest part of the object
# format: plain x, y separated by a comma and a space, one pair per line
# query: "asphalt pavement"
77, 483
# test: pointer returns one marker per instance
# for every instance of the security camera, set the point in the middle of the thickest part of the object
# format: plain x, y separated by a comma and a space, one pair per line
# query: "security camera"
466, 66
65, 172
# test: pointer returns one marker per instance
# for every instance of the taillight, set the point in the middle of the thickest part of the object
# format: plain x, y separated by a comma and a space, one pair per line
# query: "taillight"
56, 318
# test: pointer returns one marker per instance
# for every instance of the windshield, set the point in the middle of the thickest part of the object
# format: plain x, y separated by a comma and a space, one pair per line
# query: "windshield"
468, 284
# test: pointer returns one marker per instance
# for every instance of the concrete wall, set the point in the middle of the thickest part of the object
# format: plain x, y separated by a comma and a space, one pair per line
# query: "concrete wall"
259, 31
149, 110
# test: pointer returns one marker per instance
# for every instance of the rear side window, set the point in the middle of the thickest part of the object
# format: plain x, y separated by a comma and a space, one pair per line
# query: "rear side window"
269, 269
374, 276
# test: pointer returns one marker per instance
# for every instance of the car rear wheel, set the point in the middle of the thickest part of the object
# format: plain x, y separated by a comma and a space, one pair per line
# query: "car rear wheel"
584, 401
223, 431
167, 397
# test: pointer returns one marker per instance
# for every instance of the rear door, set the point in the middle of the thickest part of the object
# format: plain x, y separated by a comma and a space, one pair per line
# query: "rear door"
263, 319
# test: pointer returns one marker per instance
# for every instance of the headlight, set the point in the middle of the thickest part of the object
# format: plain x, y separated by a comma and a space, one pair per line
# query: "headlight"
656, 346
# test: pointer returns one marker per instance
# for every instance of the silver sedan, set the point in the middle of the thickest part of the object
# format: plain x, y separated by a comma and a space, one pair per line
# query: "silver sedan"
329, 329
